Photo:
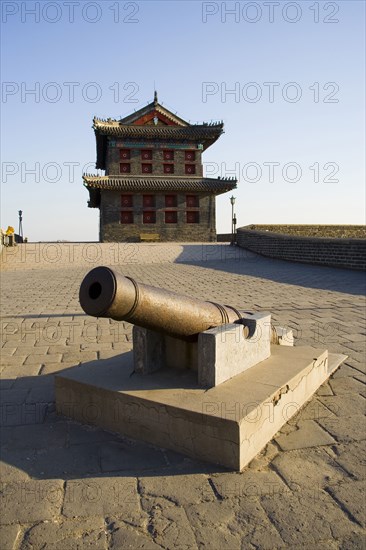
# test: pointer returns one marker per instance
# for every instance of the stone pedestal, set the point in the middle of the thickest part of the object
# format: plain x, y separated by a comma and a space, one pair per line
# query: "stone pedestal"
218, 354
227, 424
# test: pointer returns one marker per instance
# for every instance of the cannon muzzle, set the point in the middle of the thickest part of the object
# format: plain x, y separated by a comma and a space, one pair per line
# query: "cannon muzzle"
106, 293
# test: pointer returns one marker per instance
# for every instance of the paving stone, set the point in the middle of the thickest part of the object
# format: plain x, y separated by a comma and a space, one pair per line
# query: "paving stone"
304, 519
247, 485
13, 396
39, 436
9, 360
41, 395
29, 383
106, 354
43, 359
346, 385
124, 536
308, 468
67, 535
345, 370
353, 542
7, 351
30, 501
231, 526
15, 466
6, 384
343, 405
178, 489
324, 389
15, 371
131, 456
79, 434
101, 497
308, 434
170, 527
351, 457
24, 350
351, 496
8, 536
52, 368
5, 345
16, 414
217, 517
65, 348
312, 411
80, 357
70, 462
96, 346
345, 429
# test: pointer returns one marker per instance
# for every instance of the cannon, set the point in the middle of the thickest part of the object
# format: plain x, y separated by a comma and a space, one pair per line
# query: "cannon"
106, 293
172, 330
185, 386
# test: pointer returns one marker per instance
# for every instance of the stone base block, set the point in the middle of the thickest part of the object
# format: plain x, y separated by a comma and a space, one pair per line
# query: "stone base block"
220, 353
228, 424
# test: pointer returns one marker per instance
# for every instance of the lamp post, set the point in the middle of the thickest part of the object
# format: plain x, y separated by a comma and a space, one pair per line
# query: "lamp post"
232, 200
20, 232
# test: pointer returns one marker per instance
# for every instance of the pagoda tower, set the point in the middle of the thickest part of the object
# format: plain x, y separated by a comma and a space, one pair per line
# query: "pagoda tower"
153, 187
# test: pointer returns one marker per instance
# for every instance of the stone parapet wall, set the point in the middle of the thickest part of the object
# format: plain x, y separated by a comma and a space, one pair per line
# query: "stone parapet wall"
323, 231
338, 252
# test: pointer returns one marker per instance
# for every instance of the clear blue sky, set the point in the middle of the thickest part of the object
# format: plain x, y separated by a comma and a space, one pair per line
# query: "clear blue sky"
298, 150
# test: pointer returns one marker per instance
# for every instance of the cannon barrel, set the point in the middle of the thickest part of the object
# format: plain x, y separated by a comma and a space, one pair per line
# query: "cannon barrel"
106, 293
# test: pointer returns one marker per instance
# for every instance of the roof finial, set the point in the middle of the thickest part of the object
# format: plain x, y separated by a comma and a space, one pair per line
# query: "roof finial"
155, 97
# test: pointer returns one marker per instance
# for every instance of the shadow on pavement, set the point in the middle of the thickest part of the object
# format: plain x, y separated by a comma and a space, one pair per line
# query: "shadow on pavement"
37, 442
233, 259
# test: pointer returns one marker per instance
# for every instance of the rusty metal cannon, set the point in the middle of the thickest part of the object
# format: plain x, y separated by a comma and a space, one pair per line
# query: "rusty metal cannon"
217, 411
106, 293
178, 331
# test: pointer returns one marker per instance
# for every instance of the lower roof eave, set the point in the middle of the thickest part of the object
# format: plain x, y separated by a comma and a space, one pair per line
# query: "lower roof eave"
138, 184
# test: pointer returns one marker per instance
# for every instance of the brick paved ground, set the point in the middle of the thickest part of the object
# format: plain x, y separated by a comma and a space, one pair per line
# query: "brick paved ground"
67, 486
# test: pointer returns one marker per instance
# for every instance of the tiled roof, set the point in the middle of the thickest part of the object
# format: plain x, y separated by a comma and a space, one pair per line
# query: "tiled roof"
191, 132
153, 107
169, 127
159, 184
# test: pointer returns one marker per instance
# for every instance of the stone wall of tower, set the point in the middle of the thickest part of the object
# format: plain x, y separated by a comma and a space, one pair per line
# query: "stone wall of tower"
112, 230
157, 162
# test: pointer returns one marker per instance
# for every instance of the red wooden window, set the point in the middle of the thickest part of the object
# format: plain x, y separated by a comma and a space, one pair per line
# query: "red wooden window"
148, 201
192, 201
125, 167
171, 217
171, 201
124, 154
127, 201
190, 156
190, 169
127, 217
193, 217
149, 217
168, 169
168, 155
146, 168
146, 154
